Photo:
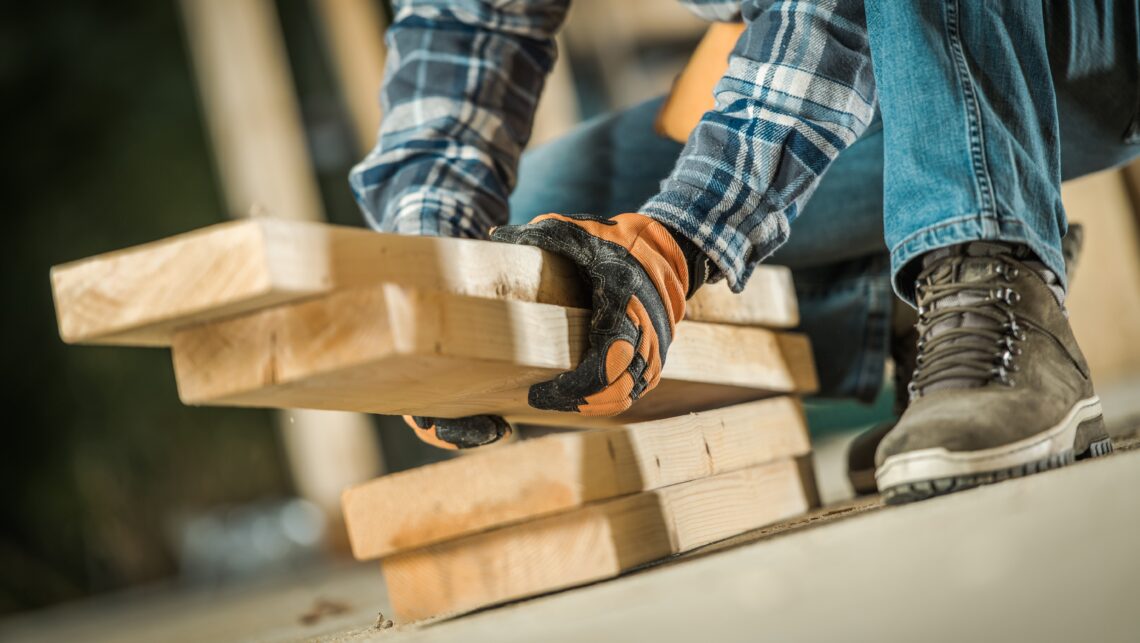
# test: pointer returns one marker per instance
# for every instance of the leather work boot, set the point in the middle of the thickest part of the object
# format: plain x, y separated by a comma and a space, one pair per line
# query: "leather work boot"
904, 337
1001, 389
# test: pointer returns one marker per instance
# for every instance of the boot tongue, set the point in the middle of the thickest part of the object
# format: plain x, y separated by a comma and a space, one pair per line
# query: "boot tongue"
974, 268
982, 270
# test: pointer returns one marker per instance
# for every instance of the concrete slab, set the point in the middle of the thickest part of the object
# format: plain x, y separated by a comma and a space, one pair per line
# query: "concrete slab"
1052, 557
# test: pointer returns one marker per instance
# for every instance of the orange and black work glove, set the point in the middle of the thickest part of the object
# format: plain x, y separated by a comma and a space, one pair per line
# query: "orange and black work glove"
459, 433
640, 274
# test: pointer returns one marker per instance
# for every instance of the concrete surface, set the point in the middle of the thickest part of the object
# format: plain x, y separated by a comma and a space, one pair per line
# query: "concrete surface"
1052, 557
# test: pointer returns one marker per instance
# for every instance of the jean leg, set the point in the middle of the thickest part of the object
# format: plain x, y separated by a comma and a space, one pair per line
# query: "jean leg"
842, 273
971, 135
989, 106
1095, 60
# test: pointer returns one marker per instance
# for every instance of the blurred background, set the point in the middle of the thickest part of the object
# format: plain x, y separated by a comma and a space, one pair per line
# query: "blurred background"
132, 121
111, 141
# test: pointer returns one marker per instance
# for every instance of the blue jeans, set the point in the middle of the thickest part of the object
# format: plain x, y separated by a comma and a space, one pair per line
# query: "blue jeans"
983, 112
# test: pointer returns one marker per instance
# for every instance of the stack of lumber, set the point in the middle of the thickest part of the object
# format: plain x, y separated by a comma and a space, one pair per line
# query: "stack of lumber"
290, 314
580, 506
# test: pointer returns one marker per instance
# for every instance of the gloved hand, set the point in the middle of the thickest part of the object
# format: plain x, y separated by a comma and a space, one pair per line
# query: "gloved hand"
640, 274
459, 433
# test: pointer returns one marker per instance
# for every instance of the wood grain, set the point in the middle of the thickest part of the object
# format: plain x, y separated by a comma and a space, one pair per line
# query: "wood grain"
395, 350
594, 542
514, 482
142, 295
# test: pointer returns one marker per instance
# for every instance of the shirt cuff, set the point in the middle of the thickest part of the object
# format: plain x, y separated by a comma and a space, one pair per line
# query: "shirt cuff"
434, 213
734, 253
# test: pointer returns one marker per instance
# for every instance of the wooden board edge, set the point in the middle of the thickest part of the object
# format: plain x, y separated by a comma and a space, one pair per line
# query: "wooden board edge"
270, 286
592, 543
302, 259
553, 340
559, 472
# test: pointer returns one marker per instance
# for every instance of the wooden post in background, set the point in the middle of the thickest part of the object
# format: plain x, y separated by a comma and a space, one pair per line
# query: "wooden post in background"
258, 139
354, 37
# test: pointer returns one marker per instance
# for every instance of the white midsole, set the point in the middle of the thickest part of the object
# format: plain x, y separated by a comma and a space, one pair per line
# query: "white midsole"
937, 463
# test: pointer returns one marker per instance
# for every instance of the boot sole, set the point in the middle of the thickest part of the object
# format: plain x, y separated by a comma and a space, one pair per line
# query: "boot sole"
919, 475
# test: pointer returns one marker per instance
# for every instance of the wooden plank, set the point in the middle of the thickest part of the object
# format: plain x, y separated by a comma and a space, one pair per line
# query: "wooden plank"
595, 542
521, 481
141, 295
396, 350
768, 300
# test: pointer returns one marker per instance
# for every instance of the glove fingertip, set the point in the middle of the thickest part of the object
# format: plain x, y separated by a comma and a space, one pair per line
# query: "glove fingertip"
504, 233
548, 396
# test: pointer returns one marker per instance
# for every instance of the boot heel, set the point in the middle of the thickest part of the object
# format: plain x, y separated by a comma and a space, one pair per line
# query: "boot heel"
1092, 439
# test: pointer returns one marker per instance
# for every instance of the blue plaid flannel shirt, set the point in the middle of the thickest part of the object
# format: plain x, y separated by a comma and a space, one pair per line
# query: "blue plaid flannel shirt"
463, 79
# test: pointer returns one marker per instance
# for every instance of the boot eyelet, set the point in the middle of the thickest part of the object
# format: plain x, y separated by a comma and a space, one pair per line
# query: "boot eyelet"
1014, 330
1001, 375
1007, 361
1007, 272
1008, 296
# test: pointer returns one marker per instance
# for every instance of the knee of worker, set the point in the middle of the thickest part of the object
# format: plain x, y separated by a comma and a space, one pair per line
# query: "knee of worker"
608, 165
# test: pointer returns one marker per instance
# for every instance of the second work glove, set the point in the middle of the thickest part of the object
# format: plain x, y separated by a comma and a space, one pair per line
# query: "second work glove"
459, 433
640, 274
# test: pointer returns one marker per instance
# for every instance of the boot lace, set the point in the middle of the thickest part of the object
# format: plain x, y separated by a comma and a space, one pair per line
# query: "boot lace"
983, 346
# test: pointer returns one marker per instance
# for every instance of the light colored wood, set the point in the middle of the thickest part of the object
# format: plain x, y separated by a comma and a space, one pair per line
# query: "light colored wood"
1104, 298
692, 92
592, 543
515, 482
329, 450
769, 300
252, 111
395, 350
354, 34
141, 295
259, 142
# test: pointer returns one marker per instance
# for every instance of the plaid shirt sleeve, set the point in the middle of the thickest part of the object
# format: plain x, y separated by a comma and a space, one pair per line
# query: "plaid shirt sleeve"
799, 89
463, 81
460, 90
